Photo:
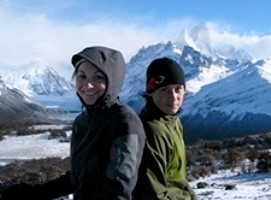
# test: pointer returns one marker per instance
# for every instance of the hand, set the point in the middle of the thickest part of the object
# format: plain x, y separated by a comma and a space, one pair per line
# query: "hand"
58, 187
20, 191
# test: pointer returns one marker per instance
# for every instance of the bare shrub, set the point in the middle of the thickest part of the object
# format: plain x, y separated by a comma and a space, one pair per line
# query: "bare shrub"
200, 171
14, 124
55, 133
19, 126
33, 171
264, 162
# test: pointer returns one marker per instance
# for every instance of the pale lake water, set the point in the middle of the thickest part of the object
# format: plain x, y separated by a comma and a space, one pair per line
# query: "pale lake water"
64, 116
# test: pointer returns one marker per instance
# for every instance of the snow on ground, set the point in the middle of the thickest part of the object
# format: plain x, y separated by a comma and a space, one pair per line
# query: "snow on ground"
32, 147
248, 186
48, 126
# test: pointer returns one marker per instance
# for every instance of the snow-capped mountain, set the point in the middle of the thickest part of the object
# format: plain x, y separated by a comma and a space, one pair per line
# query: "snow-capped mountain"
42, 84
14, 104
225, 96
200, 39
36, 79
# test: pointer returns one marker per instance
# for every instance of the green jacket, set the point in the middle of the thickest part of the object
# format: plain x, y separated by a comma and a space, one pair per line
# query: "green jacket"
162, 173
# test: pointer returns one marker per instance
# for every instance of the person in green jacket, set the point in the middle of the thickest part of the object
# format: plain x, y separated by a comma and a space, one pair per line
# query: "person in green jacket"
162, 174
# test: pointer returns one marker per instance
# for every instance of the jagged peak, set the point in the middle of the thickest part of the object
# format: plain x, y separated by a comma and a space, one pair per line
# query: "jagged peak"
200, 32
159, 48
37, 79
199, 38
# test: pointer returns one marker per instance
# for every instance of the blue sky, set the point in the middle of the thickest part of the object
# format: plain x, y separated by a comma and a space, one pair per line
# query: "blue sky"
243, 15
52, 30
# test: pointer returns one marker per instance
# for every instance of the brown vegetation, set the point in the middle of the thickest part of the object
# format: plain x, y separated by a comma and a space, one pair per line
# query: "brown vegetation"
209, 156
25, 127
32, 172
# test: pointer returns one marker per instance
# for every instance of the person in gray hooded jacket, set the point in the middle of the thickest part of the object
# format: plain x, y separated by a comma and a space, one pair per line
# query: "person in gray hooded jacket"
108, 137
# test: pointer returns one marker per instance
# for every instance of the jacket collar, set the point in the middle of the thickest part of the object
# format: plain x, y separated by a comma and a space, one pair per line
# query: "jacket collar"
152, 112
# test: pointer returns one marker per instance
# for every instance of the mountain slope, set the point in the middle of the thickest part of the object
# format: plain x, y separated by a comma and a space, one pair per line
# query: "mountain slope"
36, 79
15, 105
42, 84
237, 105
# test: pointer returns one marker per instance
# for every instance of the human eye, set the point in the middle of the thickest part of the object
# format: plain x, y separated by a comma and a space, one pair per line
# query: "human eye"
179, 89
81, 76
99, 76
163, 90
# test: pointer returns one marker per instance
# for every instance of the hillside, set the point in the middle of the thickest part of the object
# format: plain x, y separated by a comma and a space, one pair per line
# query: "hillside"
15, 105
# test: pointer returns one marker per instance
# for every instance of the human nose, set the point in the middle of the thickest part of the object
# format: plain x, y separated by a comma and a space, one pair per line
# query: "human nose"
89, 83
172, 94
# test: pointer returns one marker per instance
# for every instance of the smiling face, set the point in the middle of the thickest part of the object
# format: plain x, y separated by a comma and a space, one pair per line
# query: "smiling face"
90, 82
169, 99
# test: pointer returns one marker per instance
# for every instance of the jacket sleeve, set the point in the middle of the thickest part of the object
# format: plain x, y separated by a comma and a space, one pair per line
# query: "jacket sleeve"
157, 154
125, 156
55, 188
58, 187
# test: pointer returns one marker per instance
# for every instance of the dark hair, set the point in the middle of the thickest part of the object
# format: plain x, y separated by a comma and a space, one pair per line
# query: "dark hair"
79, 62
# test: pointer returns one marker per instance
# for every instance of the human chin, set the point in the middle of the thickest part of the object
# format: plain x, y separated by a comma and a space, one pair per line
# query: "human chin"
89, 102
90, 99
174, 111
171, 110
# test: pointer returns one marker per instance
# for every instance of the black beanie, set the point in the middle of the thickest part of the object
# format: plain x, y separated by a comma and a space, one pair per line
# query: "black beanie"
162, 72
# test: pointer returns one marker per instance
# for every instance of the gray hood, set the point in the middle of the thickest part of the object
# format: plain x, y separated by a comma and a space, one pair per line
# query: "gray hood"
111, 63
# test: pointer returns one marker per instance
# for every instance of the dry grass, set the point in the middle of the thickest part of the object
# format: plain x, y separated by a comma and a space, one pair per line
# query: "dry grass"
33, 171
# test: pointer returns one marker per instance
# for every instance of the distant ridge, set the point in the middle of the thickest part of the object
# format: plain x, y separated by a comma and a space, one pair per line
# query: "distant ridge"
14, 105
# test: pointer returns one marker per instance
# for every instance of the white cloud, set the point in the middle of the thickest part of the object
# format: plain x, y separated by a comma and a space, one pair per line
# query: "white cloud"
34, 37
31, 37
258, 46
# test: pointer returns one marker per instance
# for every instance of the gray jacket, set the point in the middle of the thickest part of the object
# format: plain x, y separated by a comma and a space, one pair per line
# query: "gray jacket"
108, 138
